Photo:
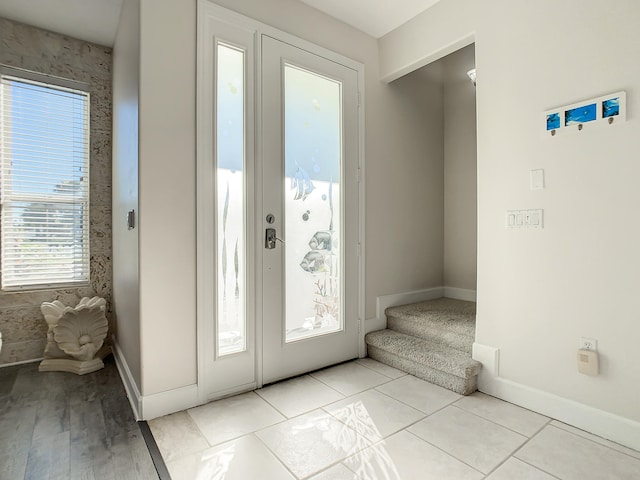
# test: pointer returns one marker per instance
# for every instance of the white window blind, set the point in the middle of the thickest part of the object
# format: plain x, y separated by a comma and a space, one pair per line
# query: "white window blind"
44, 184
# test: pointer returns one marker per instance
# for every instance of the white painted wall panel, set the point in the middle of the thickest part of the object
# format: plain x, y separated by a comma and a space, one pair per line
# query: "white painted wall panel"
539, 290
126, 59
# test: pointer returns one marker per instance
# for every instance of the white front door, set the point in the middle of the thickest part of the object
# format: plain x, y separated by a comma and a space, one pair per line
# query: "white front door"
310, 205
278, 193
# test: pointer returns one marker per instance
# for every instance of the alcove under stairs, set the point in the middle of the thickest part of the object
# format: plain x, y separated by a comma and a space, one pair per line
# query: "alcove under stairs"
431, 340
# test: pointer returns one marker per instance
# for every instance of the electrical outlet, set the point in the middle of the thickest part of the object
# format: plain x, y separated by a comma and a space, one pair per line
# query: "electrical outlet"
588, 344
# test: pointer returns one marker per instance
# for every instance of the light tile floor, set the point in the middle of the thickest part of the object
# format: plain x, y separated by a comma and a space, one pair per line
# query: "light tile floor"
365, 420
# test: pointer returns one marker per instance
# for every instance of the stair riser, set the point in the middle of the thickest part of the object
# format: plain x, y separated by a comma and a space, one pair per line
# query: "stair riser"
445, 380
461, 342
435, 356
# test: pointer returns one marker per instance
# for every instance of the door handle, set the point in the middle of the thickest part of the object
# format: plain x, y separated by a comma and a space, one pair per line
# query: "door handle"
270, 238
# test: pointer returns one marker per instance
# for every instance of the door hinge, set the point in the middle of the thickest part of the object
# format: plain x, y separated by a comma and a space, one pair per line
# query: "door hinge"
358, 175
358, 99
359, 249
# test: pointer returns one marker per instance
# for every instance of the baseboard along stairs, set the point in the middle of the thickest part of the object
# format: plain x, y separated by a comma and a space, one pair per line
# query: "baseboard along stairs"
431, 340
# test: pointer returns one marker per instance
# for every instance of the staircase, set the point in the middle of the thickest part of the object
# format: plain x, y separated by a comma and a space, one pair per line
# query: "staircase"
431, 340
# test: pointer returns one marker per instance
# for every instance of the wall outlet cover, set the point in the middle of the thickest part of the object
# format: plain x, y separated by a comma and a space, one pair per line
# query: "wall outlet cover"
585, 343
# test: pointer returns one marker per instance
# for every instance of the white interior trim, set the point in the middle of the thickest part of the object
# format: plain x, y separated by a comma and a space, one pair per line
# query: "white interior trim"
604, 424
385, 301
171, 401
489, 357
460, 294
454, 46
159, 404
133, 394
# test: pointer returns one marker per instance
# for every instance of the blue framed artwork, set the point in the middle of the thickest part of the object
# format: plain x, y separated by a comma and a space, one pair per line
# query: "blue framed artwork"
611, 107
553, 121
604, 110
582, 114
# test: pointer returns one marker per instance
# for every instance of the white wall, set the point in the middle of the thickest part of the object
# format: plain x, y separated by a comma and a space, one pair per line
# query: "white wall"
539, 290
167, 194
460, 174
126, 58
405, 190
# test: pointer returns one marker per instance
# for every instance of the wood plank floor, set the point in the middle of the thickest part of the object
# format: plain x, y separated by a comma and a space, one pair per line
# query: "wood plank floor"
56, 425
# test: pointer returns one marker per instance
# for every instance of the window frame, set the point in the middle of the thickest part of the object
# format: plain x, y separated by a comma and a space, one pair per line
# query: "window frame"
76, 87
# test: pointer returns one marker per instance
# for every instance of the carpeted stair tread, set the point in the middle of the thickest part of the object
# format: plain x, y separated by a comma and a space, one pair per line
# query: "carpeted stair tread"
431, 318
432, 340
425, 352
463, 386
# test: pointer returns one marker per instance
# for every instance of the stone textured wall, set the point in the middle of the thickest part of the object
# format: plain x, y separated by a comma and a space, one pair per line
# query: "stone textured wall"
21, 323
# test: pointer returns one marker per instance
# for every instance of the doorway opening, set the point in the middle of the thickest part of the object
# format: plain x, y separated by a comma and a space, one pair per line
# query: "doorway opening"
458, 92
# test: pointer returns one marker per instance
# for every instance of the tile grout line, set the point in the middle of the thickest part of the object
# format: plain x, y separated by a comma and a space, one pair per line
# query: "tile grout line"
512, 454
447, 453
322, 409
255, 434
499, 424
595, 441
404, 403
405, 428
404, 374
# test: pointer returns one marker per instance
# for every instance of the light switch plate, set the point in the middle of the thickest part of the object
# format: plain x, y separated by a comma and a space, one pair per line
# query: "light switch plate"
536, 179
525, 218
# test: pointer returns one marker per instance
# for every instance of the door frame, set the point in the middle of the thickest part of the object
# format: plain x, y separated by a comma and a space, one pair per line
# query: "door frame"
207, 13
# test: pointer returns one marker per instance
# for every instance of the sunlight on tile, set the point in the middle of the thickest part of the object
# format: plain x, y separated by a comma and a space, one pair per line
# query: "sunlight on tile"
311, 442
404, 456
233, 417
177, 435
337, 472
240, 459
387, 429
374, 415
299, 395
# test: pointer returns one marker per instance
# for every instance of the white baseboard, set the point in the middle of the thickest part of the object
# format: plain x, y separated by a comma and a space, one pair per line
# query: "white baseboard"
460, 294
147, 407
133, 393
489, 357
604, 424
385, 301
170, 401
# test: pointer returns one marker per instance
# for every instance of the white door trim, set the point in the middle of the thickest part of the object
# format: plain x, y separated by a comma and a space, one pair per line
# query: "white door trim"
208, 11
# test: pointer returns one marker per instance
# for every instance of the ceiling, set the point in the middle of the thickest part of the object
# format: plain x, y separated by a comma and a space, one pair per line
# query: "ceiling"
97, 20
374, 17
90, 20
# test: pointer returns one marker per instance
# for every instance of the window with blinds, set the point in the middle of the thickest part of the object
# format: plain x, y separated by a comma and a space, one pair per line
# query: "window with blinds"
44, 183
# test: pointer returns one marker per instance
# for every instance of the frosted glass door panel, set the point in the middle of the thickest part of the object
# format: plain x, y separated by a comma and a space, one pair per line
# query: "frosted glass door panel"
313, 164
230, 211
